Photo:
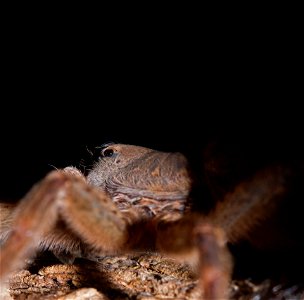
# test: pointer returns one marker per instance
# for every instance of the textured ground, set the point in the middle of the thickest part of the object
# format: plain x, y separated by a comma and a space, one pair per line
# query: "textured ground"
136, 277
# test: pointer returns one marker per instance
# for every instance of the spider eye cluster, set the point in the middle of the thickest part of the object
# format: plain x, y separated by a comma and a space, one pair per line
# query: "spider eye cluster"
108, 152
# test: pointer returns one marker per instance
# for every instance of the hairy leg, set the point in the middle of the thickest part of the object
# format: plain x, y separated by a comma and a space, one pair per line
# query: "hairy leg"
250, 203
204, 238
88, 212
193, 240
6, 217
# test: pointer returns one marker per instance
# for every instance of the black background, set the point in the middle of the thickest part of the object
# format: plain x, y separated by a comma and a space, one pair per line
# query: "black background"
73, 87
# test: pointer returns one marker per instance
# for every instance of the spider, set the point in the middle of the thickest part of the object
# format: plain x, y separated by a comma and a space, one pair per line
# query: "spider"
135, 199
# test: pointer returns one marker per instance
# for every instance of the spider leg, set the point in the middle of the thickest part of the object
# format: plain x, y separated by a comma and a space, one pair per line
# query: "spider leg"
206, 245
232, 219
250, 203
6, 211
88, 212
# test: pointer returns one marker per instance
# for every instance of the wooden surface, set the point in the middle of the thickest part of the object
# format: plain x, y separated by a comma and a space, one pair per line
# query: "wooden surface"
137, 277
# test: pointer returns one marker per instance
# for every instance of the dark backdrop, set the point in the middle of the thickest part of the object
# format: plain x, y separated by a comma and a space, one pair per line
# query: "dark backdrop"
60, 98
78, 84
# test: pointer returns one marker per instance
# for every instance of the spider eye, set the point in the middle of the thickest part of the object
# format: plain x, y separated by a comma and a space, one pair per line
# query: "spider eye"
107, 152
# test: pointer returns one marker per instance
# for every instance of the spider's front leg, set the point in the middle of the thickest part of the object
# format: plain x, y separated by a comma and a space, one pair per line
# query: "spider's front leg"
87, 212
192, 239
205, 237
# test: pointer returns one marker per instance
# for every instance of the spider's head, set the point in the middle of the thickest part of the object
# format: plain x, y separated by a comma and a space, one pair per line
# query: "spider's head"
139, 171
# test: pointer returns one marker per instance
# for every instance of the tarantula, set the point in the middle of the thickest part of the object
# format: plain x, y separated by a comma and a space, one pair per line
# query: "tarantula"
136, 198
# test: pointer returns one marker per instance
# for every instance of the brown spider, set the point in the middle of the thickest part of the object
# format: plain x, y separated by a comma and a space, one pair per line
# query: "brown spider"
134, 199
